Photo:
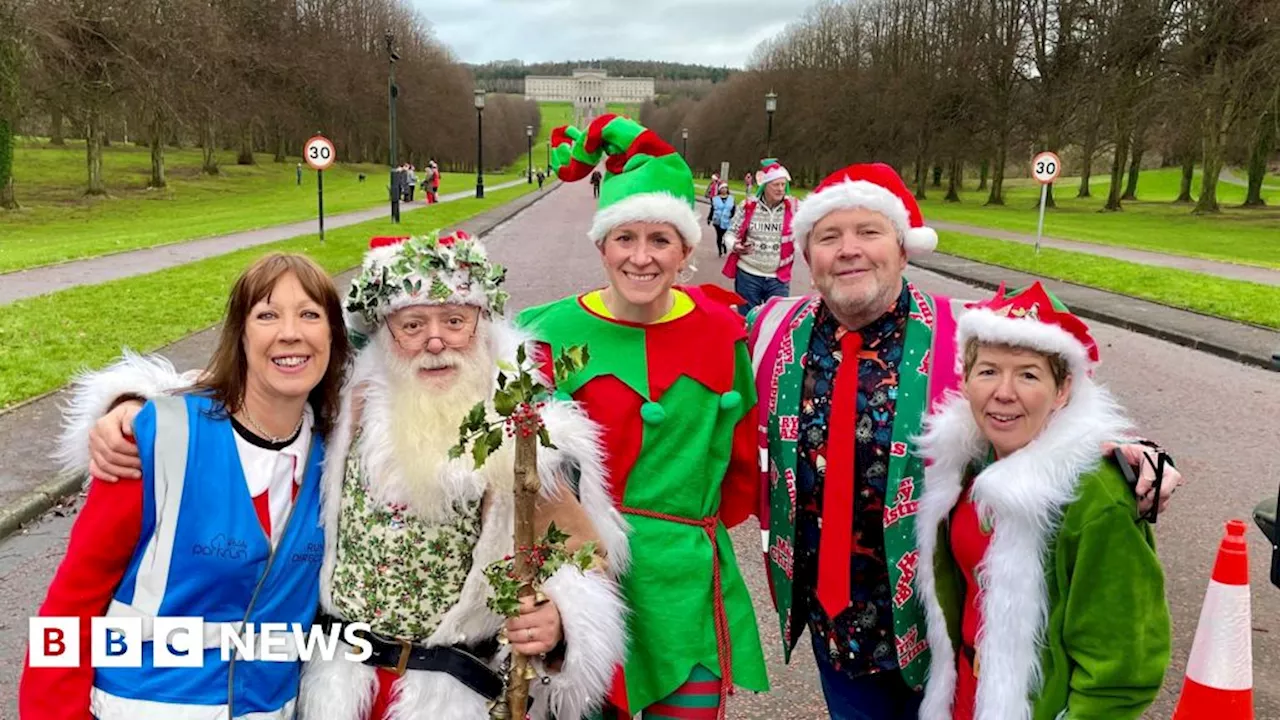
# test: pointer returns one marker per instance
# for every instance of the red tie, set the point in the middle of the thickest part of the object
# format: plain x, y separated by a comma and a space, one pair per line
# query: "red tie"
836, 537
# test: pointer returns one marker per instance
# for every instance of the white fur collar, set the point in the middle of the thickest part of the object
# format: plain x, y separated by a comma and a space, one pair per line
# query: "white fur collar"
1025, 494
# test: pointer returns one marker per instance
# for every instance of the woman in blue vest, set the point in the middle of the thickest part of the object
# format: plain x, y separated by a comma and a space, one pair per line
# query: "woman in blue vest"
225, 523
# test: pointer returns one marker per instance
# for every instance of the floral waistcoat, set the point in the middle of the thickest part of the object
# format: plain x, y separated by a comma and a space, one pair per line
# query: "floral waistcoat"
394, 571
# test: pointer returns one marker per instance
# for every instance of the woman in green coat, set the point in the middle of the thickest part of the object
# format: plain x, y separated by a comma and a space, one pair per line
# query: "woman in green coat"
1044, 596
669, 380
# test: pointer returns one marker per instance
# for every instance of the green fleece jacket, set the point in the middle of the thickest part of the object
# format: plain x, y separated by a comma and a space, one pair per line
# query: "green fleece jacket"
1075, 619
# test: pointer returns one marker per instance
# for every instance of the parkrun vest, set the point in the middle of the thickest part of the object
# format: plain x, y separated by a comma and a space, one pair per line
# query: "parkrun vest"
203, 553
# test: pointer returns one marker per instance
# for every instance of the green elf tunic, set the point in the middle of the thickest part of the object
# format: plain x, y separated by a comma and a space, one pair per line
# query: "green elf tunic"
780, 333
1080, 627
676, 401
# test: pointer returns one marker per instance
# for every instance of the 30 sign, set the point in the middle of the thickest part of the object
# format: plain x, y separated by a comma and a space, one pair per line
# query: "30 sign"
1045, 167
319, 153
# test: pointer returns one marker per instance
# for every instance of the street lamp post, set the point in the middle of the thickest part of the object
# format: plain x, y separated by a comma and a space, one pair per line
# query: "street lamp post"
479, 96
392, 92
770, 106
528, 131
684, 137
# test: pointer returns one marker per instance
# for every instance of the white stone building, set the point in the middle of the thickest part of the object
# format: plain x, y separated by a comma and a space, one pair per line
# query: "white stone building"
590, 90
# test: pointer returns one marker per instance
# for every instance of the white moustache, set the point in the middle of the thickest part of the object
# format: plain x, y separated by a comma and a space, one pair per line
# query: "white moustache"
446, 359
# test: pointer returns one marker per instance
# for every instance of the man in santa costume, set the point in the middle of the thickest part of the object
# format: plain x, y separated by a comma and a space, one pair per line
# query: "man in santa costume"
844, 379
409, 531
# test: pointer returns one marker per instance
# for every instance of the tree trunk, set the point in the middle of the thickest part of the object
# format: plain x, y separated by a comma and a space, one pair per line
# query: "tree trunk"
246, 145
1263, 142
282, 151
93, 153
1123, 133
157, 153
996, 196
7, 199
1216, 115
55, 126
982, 177
937, 176
1135, 166
1086, 170
209, 144
953, 181
1188, 172
922, 177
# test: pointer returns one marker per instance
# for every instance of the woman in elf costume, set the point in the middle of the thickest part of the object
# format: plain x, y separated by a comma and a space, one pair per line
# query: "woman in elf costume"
678, 425
1024, 522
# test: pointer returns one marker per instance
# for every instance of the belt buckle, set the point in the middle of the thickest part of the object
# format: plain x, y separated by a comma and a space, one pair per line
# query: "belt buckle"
402, 665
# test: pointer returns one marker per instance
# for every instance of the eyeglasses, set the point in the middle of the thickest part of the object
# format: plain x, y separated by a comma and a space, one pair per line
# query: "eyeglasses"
455, 330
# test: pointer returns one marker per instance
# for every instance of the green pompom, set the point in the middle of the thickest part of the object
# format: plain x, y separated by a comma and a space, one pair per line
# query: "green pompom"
653, 413
562, 396
730, 400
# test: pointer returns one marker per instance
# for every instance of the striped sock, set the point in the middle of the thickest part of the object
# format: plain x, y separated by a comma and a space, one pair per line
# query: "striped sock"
697, 699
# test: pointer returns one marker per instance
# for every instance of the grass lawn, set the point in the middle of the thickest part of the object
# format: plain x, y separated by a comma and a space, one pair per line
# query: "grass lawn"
1230, 299
554, 114
627, 109
1154, 223
58, 223
45, 340
1248, 236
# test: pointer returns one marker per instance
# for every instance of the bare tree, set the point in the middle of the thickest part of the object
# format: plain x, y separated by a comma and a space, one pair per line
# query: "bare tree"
11, 56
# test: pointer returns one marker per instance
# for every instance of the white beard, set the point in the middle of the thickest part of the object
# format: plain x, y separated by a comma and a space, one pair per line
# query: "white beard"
410, 423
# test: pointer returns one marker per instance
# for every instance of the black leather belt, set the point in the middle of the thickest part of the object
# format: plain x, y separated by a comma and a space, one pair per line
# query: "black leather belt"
465, 663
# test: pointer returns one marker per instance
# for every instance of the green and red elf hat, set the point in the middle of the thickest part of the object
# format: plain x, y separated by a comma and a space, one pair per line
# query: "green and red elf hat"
645, 179
770, 170
1031, 318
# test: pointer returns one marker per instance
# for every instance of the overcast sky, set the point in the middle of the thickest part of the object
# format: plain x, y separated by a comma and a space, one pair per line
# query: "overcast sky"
708, 32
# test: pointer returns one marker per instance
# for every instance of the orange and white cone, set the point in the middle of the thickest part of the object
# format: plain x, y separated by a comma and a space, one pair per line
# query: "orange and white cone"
1219, 682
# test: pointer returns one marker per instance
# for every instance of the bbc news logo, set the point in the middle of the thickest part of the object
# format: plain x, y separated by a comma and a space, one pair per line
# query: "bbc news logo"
180, 642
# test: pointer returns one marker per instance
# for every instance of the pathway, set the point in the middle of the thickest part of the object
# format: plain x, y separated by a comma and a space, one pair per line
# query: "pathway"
92, 271
1231, 271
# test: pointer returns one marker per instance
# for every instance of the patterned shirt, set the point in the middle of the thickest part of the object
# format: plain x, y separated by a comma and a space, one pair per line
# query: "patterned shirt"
394, 571
859, 640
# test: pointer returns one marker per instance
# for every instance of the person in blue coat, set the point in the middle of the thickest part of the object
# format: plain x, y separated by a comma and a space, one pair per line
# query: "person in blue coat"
722, 212
225, 523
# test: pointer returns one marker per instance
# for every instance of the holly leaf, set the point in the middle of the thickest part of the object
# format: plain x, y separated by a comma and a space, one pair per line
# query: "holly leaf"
456, 451
544, 438
505, 401
493, 439
480, 453
476, 418
520, 355
585, 557
554, 535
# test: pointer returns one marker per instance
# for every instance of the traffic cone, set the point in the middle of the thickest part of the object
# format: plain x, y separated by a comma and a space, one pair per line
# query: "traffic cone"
1219, 681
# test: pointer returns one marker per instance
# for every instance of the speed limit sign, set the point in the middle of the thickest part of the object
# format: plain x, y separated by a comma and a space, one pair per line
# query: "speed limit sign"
1045, 167
318, 152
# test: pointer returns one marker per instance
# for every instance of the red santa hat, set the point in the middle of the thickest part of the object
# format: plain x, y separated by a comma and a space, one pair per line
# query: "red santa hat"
868, 186
1031, 318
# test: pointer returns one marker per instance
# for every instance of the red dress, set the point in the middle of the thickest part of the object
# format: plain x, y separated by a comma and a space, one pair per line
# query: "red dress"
969, 542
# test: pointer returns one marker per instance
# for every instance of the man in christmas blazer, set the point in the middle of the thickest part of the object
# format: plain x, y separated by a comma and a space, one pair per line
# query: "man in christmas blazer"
410, 532
923, 369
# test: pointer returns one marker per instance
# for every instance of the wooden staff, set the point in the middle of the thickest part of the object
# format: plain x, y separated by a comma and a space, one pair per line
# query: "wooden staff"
527, 486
